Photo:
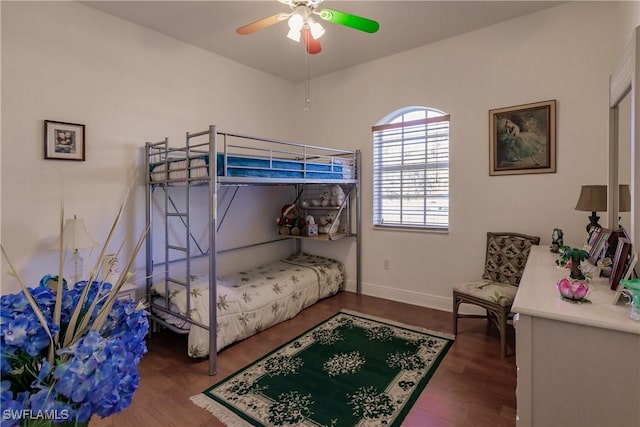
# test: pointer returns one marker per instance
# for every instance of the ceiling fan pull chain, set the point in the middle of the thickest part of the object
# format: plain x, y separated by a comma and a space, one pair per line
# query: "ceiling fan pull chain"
307, 95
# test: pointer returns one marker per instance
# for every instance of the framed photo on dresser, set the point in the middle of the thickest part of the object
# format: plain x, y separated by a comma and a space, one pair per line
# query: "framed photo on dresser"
621, 261
598, 243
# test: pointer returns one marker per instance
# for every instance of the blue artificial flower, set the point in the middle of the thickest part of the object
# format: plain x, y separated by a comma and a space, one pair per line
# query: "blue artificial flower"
15, 332
10, 408
7, 353
97, 374
38, 338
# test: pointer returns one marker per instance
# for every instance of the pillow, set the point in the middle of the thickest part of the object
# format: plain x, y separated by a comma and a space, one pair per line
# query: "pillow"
506, 257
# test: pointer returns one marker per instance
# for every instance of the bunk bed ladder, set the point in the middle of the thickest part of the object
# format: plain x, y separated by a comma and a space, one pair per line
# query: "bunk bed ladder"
184, 223
151, 149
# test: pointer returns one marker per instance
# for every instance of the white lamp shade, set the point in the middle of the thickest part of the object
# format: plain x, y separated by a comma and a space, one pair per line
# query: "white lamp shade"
296, 21
74, 236
316, 30
294, 35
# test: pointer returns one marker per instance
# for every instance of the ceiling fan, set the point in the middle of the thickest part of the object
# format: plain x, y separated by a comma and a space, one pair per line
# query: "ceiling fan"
303, 24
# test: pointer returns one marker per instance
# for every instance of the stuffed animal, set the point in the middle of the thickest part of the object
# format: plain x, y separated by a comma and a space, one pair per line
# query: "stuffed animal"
337, 195
323, 198
327, 221
291, 221
311, 228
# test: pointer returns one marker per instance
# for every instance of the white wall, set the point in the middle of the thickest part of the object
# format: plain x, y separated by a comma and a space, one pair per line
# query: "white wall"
564, 53
67, 62
130, 85
630, 19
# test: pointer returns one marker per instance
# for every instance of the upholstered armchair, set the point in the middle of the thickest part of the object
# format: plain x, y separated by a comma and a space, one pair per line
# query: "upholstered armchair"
506, 257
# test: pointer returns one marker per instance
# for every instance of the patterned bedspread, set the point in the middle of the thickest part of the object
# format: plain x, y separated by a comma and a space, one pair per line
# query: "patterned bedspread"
251, 301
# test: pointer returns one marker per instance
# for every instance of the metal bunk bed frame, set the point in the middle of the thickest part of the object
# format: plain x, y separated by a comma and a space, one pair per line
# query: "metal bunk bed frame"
163, 153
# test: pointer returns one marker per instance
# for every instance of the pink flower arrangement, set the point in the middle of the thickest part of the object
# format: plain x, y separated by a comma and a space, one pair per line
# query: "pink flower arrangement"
572, 289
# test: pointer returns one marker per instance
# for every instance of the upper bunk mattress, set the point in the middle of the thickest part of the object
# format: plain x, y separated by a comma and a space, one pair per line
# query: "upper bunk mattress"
334, 168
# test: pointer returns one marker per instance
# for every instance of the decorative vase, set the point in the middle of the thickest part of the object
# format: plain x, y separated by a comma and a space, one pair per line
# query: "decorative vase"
632, 292
573, 290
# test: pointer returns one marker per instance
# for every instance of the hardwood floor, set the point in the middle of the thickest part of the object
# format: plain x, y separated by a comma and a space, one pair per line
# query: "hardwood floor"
473, 386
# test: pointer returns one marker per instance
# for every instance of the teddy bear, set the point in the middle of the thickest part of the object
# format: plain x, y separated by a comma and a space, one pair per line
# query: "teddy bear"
291, 221
337, 195
323, 198
326, 221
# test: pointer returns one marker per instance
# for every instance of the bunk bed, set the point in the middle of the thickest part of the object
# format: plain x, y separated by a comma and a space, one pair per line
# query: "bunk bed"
188, 302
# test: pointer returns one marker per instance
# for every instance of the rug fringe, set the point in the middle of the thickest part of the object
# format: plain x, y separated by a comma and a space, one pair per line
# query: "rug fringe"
217, 410
400, 324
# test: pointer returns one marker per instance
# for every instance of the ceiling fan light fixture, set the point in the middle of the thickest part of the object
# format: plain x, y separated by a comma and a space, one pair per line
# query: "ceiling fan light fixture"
296, 21
294, 35
303, 25
316, 29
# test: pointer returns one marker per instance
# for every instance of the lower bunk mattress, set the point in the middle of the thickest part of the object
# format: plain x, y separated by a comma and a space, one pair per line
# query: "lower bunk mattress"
250, 301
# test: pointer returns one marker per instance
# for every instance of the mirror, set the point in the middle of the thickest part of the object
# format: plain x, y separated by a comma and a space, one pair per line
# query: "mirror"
624, 139
624, 157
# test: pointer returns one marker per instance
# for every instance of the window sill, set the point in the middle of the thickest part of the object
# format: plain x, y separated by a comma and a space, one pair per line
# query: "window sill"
406, 228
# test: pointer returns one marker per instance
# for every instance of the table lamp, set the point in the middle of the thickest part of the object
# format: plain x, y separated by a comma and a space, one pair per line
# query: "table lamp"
74, 237
593, 198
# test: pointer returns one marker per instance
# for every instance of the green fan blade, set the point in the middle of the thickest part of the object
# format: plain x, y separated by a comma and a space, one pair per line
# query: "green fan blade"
348, 20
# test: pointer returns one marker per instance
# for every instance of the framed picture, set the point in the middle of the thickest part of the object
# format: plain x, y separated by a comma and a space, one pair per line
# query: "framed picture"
522, 139
628, 274
598, 243
64, 141
620, 262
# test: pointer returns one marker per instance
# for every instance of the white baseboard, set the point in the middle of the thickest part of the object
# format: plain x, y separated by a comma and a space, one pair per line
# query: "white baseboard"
435, 302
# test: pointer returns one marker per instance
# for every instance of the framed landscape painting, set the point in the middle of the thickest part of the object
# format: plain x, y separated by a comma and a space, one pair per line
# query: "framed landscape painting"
522, 139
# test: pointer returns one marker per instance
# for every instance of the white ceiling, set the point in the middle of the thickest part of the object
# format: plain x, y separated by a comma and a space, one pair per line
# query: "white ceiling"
404, 25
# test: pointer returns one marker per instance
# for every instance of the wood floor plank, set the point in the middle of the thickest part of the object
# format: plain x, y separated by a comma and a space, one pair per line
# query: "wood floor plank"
473, 386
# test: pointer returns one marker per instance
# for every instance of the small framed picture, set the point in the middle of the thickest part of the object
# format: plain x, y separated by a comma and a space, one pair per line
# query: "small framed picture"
598, 243
522, 139
628, 274
64, 141
620, 262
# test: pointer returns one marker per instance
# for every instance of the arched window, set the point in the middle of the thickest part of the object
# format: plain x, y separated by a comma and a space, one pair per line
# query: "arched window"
411, 169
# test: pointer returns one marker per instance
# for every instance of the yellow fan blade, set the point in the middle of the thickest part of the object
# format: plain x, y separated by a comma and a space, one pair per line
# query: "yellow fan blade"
262, 23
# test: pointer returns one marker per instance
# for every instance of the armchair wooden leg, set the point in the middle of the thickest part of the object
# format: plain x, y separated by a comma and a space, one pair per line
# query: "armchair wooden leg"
456, 304
503, 333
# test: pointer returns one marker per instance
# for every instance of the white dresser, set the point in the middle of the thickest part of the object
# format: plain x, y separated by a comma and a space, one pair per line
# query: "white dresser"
578, 364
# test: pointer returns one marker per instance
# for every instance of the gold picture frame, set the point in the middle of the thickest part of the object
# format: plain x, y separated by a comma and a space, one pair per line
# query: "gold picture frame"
64, 141
522, 139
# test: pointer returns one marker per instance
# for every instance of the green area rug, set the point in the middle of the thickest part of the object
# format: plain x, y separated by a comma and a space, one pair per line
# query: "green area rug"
350, 370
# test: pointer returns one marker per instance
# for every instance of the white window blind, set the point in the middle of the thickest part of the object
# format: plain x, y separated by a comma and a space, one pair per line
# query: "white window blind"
411, 170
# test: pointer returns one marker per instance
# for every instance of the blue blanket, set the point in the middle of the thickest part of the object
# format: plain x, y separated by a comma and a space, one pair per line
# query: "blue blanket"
241, 166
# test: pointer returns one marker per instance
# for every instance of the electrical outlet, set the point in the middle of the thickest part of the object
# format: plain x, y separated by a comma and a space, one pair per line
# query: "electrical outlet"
387, 264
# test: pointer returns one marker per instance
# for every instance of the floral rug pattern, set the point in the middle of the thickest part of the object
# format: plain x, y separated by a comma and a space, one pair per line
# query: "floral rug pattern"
349, 370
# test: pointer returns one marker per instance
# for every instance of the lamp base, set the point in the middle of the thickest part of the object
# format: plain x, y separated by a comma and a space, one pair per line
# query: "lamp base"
74, 265
594, 222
